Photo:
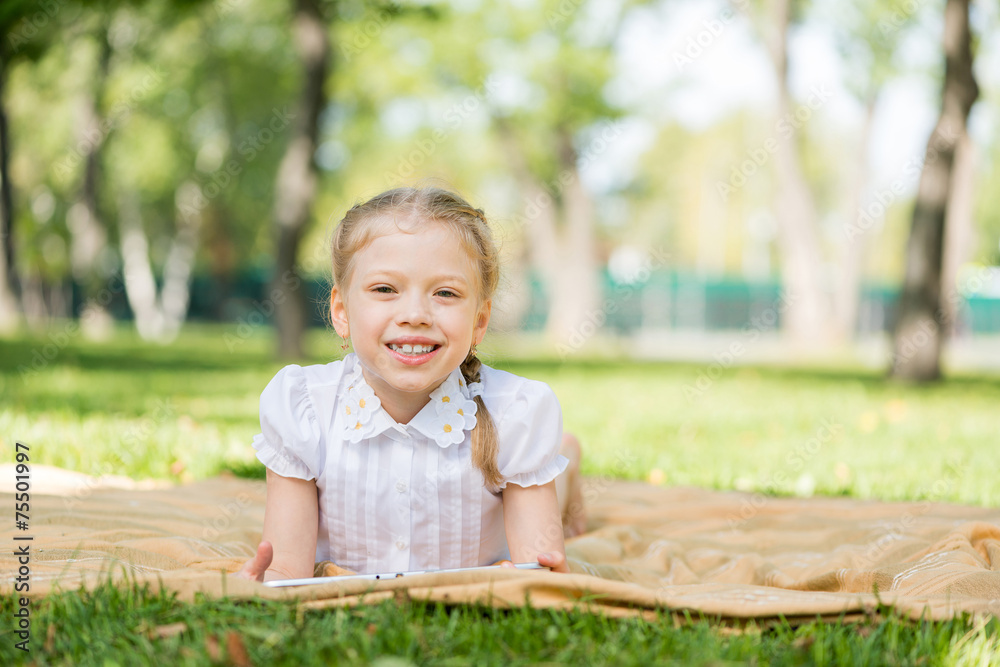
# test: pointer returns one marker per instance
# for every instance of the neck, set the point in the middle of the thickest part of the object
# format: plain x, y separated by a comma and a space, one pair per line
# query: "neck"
402, 406
404, 411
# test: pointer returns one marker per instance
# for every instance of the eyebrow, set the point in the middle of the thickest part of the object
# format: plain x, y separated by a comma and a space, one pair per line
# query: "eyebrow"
441, 278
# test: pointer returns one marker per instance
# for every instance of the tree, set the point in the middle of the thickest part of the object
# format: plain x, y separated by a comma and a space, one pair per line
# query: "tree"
85, 221
191, 143
295, 184
920, 326
25, 29
547, 67
143, 175
97, 45
868, 36
9, 307
808, 316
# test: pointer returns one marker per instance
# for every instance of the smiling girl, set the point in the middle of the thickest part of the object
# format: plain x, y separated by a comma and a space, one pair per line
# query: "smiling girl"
409, 453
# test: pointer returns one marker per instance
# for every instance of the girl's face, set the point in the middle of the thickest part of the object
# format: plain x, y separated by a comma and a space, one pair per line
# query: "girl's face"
412, 311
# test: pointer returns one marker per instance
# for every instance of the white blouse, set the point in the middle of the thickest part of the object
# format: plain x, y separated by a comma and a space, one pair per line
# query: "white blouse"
396, 497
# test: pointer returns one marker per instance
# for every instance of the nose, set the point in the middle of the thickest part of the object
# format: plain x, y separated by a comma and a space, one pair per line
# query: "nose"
414, 309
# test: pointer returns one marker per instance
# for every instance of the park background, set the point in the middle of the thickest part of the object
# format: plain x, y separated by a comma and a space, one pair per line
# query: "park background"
653, 169
705, 209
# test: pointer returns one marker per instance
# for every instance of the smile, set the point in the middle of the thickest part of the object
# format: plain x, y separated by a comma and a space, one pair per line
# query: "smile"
413, 355
413, 349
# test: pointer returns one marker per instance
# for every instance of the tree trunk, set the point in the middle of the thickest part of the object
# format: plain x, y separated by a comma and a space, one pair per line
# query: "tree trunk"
9, 306
36, 313
137, 272
574, 294
88, 235
560, 238
295, 187
959, 230
176, 292
847, 291
159, 316
920, 327
808, 314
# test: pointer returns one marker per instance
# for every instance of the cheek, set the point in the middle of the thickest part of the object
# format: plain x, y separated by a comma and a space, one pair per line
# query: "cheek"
461, 320
369, 318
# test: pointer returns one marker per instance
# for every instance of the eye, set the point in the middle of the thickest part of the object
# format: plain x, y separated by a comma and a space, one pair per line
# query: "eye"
446, 292
383, 289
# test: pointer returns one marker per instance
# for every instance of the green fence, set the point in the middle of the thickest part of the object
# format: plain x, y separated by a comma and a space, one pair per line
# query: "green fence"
675, 300
667, 300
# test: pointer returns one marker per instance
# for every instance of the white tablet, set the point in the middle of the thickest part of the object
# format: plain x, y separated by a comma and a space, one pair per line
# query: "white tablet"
395, 575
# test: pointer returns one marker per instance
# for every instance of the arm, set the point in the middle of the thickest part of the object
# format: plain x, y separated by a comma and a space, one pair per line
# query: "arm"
288, 546
533, 525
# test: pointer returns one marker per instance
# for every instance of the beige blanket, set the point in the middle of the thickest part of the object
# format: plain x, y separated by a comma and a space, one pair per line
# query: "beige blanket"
729, 555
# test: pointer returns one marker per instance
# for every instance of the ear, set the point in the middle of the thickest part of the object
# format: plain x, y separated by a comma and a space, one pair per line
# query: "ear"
338, 313
482, 321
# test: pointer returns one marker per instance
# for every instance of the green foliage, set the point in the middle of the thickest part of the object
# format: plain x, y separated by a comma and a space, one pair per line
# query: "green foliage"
416, 96
869, 37
190, 94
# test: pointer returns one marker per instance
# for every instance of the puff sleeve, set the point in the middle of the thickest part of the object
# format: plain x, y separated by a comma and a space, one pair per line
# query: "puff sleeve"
289, 441
530, 436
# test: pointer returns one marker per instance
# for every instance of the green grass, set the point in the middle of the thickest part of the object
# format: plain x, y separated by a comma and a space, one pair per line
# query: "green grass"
189, 410
125, 626
186, 411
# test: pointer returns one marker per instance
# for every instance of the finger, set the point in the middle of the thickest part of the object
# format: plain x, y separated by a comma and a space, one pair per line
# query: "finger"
555, 561
265, 554
255, 568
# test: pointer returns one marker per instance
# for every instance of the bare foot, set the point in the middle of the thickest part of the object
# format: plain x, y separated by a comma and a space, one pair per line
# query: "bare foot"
570, 493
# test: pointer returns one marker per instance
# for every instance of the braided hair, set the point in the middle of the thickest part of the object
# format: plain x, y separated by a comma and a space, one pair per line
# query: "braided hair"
485, 443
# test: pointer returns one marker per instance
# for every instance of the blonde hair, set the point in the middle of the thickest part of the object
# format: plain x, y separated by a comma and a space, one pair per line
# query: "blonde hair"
420, 206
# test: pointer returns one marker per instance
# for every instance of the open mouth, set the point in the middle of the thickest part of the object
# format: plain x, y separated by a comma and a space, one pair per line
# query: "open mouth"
412, 350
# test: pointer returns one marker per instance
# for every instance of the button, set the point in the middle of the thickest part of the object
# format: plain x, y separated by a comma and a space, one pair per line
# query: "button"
401, 486
400, 545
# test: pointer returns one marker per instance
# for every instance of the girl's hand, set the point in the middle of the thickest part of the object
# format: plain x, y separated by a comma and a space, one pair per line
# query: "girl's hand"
555, 561
255, 568
533, 524
287, 547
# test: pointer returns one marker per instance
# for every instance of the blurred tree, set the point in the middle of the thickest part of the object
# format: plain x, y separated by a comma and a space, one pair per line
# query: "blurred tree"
194, 149
109, 82
920, 331
868, 36
37, 91
85, 220
9, 306
140, 187
295, 184
808, 318
229, 110
670, 205
548, 141
543, 70
25, 28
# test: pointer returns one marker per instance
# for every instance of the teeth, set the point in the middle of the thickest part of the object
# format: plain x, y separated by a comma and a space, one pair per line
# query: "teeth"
412, 349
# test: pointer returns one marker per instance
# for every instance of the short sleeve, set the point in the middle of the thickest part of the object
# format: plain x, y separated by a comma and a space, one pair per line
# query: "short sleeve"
289, 441
530, 436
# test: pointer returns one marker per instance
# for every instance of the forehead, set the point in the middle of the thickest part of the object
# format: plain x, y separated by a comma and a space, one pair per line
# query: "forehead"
415, 248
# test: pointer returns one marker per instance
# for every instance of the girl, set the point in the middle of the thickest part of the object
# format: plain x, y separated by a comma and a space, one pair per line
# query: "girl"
409, 454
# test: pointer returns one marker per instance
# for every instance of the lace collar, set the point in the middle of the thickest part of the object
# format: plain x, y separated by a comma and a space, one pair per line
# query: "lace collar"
445, 419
